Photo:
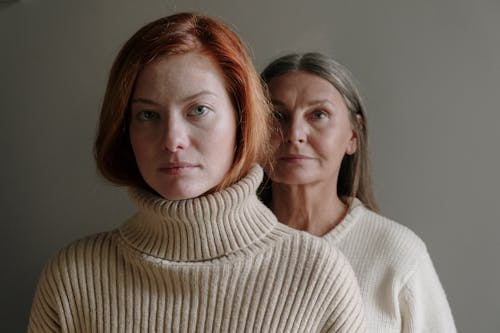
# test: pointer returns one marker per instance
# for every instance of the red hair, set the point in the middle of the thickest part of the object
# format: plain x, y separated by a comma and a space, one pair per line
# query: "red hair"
178, 34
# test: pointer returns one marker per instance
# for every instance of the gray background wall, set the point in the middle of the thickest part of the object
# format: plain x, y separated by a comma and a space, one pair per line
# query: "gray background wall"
428, 69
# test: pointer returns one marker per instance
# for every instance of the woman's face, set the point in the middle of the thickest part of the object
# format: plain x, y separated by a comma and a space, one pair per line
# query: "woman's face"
316, 130
182, 125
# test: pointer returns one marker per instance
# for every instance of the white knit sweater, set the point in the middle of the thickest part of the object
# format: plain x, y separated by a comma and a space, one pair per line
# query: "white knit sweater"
216, 263
399, 285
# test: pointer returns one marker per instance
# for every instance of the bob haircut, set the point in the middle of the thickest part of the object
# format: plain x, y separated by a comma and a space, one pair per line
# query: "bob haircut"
354, 175
172, 35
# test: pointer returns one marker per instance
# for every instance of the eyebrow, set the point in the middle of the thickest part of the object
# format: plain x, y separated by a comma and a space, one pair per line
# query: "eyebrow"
151, 102
312, 103
144, 101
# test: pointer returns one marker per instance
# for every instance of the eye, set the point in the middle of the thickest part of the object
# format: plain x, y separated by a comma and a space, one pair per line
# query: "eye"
319, 114
198, 111
279, 115
147, 115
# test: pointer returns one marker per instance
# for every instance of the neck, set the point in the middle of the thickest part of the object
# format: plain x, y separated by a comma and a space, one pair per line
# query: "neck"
314, 208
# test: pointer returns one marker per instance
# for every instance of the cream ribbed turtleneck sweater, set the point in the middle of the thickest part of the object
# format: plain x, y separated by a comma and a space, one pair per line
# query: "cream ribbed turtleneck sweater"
217, 263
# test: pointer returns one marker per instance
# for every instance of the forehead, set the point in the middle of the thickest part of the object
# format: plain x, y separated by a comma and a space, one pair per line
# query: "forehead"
181, 73
304, 86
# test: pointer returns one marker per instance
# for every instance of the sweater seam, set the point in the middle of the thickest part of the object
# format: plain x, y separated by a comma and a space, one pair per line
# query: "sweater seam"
409, 274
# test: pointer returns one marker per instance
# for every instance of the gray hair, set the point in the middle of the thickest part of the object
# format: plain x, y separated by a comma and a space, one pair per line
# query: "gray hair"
354, 176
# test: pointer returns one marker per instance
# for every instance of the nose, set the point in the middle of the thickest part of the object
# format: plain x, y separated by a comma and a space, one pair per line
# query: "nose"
175, 135
296, 131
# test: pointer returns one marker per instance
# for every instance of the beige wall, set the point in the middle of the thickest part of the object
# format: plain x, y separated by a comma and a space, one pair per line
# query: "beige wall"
429, 71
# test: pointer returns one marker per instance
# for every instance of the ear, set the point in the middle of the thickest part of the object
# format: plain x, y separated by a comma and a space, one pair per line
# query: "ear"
352, 145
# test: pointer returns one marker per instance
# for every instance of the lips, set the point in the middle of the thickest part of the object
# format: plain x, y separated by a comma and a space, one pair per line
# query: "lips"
176, 168
294, 157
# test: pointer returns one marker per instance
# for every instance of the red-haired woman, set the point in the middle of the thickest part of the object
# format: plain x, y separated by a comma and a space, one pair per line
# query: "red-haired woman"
183, 124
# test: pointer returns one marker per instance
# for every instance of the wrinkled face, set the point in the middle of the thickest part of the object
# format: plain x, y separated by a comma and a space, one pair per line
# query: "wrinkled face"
182, 125
316, 130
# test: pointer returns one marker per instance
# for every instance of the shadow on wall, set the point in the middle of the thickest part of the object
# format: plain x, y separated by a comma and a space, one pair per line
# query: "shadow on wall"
6, 3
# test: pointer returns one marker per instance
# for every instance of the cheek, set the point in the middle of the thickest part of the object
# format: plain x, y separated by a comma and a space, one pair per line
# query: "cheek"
224, 133
146, 137
141, 147
276, 139
331, 146
217, 144
134, 142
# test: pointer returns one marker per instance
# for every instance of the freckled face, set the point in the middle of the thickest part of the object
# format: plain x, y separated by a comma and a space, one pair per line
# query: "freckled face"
316, 130
182, 125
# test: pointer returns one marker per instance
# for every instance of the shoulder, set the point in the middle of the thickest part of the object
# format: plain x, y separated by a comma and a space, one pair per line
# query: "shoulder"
363, 229
392, 235
399, 260
378, 241
309, 266
81, 254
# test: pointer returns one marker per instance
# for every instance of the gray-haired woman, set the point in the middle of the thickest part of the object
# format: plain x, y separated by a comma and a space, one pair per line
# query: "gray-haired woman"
322, 146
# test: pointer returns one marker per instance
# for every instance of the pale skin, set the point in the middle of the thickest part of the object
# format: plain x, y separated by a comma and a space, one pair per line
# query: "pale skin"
317, 132
182, 125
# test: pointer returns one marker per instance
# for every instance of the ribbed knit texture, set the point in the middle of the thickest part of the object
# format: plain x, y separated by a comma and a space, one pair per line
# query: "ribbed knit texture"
399, 285
216, 263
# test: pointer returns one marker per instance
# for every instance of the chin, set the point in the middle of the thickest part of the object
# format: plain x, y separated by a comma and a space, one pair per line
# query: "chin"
292, 178
181, 192
288, 180
180, 195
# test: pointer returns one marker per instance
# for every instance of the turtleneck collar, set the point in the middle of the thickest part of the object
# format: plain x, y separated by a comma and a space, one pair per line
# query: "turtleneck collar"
202, 228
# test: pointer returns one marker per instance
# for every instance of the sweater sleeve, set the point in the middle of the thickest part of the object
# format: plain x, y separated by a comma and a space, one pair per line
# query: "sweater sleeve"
44, 316
423, 303
346, 305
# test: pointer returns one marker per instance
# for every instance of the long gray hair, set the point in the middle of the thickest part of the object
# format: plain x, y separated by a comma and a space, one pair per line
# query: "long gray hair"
354, 176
